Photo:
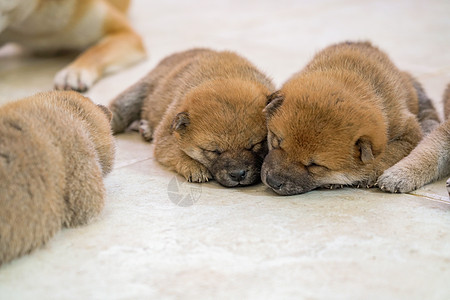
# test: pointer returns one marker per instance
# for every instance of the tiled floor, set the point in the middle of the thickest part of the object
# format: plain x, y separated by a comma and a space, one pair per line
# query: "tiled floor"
161, 238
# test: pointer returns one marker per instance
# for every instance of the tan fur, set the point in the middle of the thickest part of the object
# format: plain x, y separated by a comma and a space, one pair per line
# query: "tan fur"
345, 118
54, 149
98, 26
428, 162
121, 5
204, 110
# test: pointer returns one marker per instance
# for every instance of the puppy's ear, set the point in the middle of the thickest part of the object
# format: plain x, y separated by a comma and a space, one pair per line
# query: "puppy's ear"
274, 101
367, 149
180, 122
106, 110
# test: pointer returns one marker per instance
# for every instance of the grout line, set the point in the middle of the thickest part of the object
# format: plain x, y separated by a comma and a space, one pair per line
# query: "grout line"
133, 163
433, 197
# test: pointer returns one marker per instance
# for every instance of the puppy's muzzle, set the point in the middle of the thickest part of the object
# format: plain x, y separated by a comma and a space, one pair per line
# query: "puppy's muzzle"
237, 169
284, 185
283, 178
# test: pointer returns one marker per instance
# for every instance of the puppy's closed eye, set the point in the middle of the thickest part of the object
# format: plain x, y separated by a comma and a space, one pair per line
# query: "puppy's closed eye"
314, 167
258, 147
211, 154
275, 141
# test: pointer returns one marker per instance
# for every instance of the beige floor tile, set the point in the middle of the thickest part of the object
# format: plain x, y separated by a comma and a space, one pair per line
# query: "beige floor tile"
160, 237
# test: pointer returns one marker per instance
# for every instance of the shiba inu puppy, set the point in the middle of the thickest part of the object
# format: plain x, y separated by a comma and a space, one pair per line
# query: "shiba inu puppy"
345, 118
54, 149
428, 162
204, 111
48, 26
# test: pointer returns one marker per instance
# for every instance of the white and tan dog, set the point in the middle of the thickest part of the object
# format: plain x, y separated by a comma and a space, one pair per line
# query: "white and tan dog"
49, 26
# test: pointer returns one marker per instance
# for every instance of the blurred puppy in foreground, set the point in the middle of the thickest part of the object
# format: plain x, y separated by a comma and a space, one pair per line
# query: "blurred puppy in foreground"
55, 147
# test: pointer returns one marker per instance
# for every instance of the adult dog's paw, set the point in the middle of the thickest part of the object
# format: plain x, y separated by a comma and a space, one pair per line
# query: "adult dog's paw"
75, 78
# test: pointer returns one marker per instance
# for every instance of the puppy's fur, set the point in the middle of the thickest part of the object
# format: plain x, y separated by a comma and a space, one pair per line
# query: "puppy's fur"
204, 110
344, 119
428, 162
54, 149
48, 26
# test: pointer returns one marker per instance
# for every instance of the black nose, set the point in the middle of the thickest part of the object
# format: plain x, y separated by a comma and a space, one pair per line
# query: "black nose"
274, 182
238, 175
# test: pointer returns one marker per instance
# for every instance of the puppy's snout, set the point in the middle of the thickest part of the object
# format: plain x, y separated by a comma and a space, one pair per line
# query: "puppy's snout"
238, 168
238, 175
274, 182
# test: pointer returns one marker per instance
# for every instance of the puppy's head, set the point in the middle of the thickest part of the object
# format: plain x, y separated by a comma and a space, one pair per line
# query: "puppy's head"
319, 134
222, 126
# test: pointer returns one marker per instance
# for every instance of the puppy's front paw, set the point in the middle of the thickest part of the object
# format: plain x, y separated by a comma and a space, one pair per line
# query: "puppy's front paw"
74, 78
332, 186
145, 130
194, 171
397, 180
368, 183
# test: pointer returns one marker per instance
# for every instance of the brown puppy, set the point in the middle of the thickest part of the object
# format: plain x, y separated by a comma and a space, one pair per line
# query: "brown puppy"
45, 26
204, 109
54, 149
348, 116
428, 162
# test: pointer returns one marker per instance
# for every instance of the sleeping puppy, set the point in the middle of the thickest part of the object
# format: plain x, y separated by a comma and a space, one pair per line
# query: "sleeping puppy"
54, 149
48, 26
345, 118
204, 111
428, 162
